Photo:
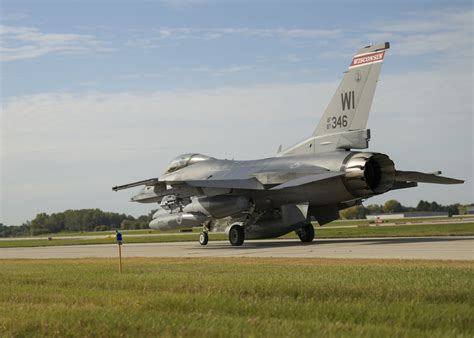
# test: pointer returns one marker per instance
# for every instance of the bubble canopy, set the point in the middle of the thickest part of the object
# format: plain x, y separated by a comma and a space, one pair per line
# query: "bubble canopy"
185, 160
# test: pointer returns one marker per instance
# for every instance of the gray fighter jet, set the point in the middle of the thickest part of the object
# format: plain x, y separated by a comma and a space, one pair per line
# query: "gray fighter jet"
311, 180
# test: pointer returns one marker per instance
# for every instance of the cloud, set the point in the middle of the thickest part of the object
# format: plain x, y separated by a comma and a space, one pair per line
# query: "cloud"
182, 4
284, 33
293, 58
15, 17
212, 71
140, 76
160, 35
20, 43
427, 33
430, 33
231, 70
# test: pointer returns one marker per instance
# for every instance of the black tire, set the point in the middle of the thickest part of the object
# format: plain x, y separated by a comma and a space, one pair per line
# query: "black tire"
306, 233
203, 238
236, 235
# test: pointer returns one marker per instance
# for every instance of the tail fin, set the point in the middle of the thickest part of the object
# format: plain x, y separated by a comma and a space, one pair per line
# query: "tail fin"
343, 124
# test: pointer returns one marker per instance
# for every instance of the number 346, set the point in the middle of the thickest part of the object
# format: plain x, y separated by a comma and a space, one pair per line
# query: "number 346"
340, 121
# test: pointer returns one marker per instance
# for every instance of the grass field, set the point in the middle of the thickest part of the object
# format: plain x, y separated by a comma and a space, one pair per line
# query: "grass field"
321, 232
236, 297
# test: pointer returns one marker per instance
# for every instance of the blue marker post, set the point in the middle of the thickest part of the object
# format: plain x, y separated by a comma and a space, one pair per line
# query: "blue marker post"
118, 237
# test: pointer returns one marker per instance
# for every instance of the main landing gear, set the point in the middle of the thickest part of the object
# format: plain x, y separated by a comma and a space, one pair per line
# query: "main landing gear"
306, 233
236, 235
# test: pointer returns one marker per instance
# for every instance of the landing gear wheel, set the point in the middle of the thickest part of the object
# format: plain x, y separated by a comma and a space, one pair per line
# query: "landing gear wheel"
236, 235
306, 233
203, 238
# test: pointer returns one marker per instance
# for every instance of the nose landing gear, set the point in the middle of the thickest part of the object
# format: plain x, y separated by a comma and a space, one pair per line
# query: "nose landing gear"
203, 238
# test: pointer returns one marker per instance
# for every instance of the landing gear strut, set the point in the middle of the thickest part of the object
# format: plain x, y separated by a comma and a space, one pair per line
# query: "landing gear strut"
236, 235
306, 233
203, 238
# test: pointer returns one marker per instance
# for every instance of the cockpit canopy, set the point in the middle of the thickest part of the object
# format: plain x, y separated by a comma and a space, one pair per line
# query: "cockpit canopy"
185, 160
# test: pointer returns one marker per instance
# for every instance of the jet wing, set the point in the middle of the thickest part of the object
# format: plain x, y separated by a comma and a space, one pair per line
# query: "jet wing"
415, 176
275, 180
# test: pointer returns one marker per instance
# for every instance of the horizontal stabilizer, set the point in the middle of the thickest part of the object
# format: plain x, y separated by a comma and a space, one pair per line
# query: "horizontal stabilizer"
308, 179
403, 185
415, 176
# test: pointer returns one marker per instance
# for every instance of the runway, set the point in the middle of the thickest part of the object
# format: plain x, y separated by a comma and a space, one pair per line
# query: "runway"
433, 248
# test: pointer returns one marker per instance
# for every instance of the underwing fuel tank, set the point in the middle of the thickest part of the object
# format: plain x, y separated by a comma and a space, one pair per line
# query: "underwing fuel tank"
269, 229
164, 220
218, 206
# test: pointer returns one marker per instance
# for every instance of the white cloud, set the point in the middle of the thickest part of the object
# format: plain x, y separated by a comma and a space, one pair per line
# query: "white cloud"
284, 33
182, 4
28, 42
14, 17
293, 58
140, 76
430, 33
213, 71
420, 33
432, 21
183, 33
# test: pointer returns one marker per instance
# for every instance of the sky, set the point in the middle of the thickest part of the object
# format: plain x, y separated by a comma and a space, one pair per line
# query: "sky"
99, 93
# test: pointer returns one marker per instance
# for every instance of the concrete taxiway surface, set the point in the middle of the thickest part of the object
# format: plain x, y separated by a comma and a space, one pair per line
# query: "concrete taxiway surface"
443, 248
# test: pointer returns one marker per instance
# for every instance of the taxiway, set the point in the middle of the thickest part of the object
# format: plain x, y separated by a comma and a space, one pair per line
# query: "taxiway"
433, 248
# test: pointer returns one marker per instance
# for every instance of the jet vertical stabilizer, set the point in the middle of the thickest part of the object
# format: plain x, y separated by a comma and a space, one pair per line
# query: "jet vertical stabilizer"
343, 124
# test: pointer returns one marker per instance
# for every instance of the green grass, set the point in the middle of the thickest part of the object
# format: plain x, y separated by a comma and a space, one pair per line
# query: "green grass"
236, 297
461, 229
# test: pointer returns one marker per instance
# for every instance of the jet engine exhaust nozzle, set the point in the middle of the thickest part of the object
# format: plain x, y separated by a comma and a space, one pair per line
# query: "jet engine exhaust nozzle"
369, 174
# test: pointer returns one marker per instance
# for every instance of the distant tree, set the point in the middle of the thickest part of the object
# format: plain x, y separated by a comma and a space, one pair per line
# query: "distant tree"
392, 206
151, 213
462, 209
423, 206
350, 213
101, 228
434, 207
373, 209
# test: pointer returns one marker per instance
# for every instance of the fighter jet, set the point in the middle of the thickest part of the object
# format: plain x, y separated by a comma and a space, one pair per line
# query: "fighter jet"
310, 181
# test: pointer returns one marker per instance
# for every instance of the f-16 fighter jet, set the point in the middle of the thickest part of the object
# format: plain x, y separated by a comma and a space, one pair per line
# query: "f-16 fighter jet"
311, 180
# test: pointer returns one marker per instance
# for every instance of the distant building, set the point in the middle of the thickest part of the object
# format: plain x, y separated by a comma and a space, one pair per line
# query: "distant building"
470, 210
384, 216
411, 214
426, 214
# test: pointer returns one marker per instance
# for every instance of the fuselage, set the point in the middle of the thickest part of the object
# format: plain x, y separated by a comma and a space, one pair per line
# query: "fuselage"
256, 178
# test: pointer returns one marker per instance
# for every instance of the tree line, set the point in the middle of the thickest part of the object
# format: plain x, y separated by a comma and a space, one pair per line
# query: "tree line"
76, 221
393, 207
98, 220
